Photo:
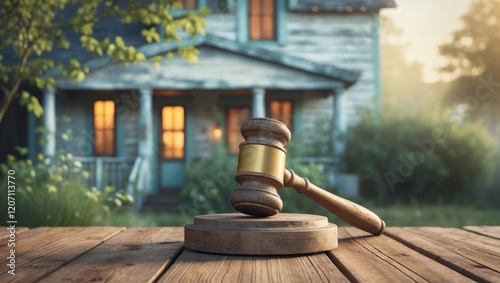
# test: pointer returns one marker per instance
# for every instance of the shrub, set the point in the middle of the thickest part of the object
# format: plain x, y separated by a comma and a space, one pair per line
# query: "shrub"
53, 193
421, 157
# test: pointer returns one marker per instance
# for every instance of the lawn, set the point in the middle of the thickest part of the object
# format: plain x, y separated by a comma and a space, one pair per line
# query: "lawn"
394, 215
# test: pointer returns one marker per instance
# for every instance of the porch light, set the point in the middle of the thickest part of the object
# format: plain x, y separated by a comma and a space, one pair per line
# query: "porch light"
217, 132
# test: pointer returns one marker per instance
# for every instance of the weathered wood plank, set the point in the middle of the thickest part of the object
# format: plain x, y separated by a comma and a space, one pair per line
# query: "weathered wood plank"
474, 256
41, 251
135, 255
202, 267
4, 233
490, 231
363, 257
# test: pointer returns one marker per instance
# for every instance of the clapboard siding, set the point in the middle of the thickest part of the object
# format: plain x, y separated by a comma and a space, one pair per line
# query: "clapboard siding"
316, 106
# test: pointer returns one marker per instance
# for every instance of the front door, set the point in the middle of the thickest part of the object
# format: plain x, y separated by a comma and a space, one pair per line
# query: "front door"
172, 146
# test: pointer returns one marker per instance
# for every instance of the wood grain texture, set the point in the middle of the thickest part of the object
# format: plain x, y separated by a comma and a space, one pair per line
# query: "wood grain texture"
282, 234
135, 255
201, 267
473, 255
490, 231
4, 233
364, 258
41, 251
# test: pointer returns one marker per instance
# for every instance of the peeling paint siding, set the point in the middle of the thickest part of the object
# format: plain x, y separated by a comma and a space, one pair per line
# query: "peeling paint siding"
342, 40
315, 106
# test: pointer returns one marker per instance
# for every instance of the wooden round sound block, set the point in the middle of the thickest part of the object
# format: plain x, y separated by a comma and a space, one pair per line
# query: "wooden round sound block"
240, 234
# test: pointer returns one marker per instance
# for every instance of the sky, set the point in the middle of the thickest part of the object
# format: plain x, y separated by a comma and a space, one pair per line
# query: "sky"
427, 24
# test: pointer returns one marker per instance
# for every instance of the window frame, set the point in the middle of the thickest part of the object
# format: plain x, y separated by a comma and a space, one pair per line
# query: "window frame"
115, 143
243, 34
261, 21
184, 131
196, 4
226, 124
292, 110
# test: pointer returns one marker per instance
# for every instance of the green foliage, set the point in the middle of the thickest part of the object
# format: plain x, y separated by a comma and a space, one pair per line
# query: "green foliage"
412, 214
425, 157
33, 29
54, 193
210, 183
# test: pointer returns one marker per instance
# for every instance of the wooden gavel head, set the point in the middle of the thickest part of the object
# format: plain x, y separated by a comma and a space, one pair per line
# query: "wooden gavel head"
261, 167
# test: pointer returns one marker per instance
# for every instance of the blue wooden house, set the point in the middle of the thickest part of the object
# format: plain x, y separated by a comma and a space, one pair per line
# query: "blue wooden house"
291, 60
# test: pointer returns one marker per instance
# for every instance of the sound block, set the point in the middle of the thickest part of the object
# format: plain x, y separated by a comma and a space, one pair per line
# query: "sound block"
240, 234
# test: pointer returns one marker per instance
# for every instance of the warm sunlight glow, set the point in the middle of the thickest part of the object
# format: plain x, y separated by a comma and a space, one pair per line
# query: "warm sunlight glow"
104, 127
425, 27
173, 136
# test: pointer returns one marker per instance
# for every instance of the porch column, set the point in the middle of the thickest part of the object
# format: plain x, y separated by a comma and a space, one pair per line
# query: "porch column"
145, 142
49, 121
259, 105
145, 135
339, 122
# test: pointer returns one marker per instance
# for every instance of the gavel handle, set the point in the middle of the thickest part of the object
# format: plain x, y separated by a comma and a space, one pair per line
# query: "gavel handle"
352, 213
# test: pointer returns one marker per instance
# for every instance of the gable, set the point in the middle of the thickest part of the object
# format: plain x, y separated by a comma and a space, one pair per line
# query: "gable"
340, 5
217, 69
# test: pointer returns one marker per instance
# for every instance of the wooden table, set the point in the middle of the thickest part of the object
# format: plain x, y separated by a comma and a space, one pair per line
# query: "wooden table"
117, 254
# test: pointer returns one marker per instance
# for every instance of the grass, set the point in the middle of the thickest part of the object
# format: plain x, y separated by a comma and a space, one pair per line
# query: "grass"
437, 215
394, 215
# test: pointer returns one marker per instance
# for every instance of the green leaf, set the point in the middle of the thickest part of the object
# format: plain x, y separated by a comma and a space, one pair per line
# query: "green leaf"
36, 108
25, 98
119, 42
80, 76
140, 57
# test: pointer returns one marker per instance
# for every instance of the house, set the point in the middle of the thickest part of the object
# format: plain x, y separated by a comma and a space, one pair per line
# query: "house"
294, 61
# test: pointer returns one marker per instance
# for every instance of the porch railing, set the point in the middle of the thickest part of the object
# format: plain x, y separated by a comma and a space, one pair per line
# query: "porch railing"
121, 173
139, 182
108, 171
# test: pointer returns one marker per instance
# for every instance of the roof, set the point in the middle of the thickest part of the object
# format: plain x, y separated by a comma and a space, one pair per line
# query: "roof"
342, 5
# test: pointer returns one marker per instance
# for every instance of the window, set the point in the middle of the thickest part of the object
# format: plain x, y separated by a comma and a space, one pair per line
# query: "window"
172, 132
282, 110
104, 128
262, 19
188, 4
235, 117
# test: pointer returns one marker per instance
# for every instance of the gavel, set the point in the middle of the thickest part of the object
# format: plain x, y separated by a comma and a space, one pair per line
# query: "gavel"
261, 172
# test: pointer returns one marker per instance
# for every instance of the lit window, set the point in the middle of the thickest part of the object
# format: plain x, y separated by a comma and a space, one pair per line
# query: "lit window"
172, 136
235, 117
188, 4
282, 110
104, 128
262, 19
